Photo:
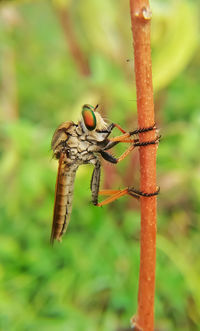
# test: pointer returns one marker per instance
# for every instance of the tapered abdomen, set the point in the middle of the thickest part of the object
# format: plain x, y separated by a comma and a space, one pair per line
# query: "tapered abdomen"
63, 199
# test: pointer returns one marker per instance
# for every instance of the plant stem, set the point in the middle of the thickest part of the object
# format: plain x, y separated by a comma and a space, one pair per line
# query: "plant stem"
140, 20
74, 47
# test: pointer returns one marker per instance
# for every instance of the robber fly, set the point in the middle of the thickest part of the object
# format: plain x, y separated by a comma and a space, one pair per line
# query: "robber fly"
75, 144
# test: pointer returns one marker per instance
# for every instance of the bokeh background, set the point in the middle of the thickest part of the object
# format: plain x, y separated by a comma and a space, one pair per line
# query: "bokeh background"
55, 56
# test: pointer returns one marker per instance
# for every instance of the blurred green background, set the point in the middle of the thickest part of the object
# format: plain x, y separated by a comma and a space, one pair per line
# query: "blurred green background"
56, 56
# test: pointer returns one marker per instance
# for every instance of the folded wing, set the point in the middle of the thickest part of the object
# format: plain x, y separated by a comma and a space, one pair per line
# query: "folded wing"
63, 198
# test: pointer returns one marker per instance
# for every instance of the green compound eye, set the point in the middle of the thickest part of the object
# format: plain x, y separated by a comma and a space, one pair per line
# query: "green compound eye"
89, 117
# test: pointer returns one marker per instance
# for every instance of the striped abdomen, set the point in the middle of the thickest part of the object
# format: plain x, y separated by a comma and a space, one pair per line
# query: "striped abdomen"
63, 198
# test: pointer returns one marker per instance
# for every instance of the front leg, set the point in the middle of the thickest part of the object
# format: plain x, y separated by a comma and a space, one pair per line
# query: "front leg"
126, 135
108, 157
107, 131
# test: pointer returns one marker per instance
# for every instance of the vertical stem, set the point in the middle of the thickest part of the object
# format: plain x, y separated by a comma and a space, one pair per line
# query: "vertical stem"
140, 19
74, 47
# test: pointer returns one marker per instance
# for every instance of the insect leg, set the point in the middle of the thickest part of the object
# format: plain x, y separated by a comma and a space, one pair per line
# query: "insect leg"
137, 144
125, 134
131, 133
107, 131
145, 143
116, 194
108, 157
133, 192
95, 182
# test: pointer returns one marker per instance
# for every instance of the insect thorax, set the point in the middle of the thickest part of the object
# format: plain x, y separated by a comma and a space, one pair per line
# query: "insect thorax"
77, 143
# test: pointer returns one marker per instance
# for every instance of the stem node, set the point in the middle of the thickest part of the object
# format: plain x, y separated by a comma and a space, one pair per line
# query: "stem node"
145, 14
134, 325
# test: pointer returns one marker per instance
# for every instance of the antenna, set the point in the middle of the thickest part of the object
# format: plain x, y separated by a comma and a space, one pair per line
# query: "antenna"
95, 108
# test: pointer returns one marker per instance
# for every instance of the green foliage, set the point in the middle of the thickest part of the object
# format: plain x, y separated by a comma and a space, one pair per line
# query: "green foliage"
90, 281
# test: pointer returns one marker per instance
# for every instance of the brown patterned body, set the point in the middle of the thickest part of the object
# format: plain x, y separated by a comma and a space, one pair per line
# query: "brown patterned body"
73, 145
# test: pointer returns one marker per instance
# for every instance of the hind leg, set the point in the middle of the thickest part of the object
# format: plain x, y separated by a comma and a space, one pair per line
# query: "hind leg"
116, 194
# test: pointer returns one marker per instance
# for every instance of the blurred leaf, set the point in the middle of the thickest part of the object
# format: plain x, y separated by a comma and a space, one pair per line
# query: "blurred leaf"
177, 36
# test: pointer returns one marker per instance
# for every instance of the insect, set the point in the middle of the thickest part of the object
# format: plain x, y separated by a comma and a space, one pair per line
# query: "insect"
82, 143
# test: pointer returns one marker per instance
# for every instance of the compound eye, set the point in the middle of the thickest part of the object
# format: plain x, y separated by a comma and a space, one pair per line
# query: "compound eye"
89, 118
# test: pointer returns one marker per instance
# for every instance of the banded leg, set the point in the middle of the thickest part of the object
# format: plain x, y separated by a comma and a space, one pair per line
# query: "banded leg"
126, 138
116, 194
94, 186
127, 135
95, 181
108, 157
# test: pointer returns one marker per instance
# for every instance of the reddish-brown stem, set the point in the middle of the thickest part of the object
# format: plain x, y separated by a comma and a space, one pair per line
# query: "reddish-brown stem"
74, 47
140, 19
